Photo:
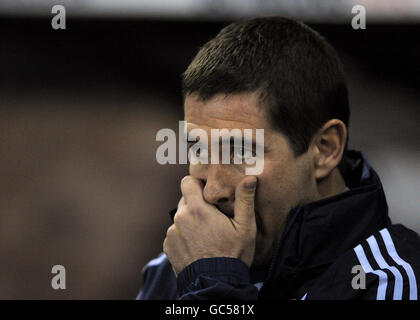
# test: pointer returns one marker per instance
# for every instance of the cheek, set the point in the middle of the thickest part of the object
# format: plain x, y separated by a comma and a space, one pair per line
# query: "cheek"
277, 183
276, 195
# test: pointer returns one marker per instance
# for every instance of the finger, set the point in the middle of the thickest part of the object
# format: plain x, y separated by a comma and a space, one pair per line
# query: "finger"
173, 212
192, 190
181, 203
244, 200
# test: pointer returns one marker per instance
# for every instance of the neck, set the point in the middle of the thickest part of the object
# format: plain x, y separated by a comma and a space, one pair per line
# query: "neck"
332, 185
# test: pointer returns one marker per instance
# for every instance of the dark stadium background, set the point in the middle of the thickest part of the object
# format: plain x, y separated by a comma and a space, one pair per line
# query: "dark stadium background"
79, 111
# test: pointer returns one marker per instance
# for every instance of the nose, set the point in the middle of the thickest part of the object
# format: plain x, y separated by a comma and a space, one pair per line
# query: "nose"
219, 188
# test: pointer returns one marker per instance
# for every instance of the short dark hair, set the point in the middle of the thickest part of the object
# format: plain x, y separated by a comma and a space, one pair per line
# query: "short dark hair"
297, 73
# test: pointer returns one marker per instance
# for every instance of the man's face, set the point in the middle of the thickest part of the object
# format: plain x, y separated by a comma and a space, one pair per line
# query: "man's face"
285, 182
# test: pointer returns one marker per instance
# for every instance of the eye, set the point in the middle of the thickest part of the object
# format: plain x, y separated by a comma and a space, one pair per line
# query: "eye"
243, 153
191, 143
197, 149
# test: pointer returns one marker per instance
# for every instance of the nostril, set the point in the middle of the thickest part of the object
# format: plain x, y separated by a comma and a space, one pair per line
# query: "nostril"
222, 200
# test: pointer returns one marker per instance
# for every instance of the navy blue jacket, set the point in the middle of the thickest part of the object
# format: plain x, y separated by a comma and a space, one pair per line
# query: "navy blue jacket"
321, 245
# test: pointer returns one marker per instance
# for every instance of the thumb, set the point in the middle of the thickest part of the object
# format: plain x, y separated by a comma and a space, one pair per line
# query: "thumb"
244, 200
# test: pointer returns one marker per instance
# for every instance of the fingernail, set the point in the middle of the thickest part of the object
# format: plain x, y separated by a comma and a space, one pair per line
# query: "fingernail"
251, 184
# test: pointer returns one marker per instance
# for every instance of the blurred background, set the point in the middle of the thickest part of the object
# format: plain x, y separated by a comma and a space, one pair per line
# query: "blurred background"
80, 109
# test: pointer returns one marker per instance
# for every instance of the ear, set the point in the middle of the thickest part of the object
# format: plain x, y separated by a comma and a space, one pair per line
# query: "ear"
328, 146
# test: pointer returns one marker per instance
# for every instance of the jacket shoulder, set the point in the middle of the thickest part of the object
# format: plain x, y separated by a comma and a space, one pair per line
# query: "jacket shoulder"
159, 281
385, 266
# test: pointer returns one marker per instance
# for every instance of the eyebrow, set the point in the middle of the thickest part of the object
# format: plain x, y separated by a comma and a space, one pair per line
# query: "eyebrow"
254, 144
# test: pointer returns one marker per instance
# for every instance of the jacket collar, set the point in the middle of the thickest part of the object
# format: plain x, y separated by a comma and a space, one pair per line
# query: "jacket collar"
317, 233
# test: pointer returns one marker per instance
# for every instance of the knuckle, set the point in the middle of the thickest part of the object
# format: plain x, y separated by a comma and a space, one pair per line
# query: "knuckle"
185, 181
167, 251
165, 247
179, 217
170, 232
181, 202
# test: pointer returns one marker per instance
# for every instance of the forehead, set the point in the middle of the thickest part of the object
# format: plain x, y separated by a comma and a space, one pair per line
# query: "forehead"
241, 111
